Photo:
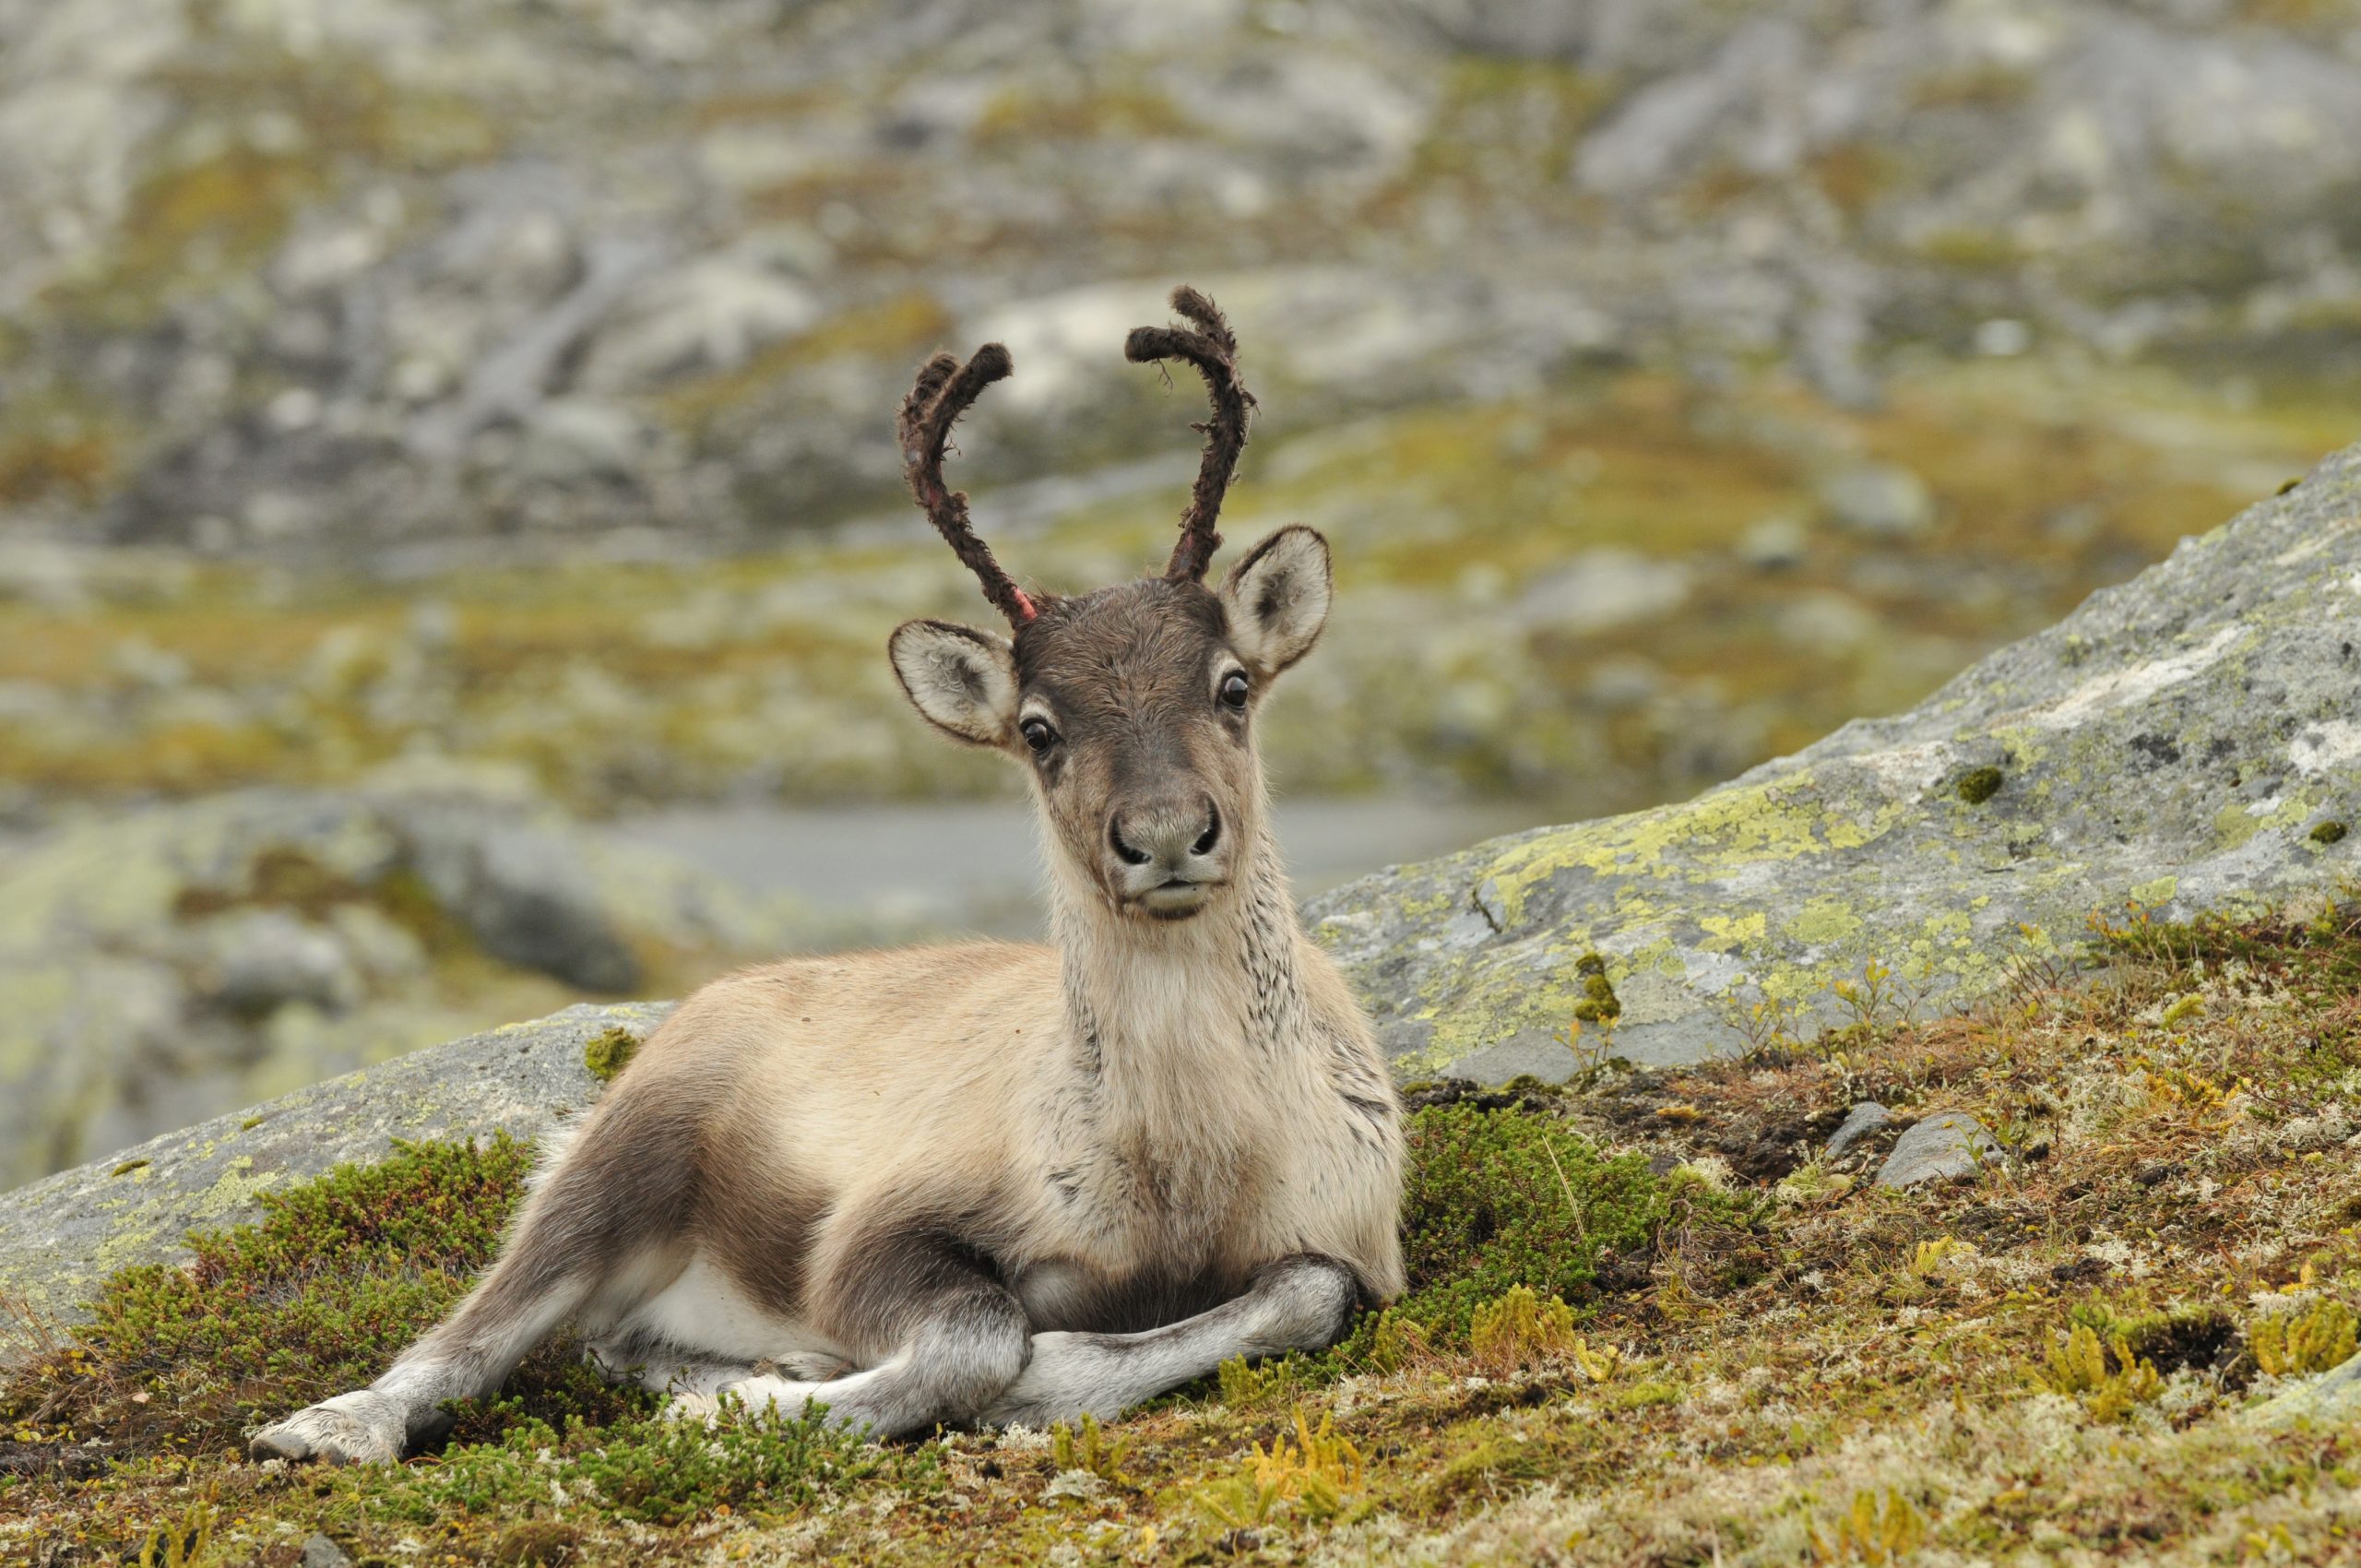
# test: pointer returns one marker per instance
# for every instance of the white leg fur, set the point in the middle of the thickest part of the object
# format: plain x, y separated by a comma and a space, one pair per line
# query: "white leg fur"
377, 1424
1299, 1305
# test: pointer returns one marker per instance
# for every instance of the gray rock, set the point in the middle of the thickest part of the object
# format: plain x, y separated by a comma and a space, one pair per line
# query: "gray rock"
519, 886
2331, 1398
63, 1234
1774, 545
321, 1553
2115, 175
570, 440
1860, 1121
710, 314
1602, 589
1943, 1146
2175, 740
1879, 501
256, 960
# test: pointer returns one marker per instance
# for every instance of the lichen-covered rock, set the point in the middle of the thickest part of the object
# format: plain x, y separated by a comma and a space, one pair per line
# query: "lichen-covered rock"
61, 1236
2175, 742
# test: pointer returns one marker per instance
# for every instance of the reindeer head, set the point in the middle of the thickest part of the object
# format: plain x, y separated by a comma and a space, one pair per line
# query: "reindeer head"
1132, 706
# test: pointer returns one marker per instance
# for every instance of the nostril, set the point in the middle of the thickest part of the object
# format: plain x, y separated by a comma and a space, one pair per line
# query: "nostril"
1212, 835
1123, 852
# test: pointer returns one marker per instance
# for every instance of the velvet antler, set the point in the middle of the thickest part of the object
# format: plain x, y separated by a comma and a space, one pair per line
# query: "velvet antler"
943, 392
1214, 352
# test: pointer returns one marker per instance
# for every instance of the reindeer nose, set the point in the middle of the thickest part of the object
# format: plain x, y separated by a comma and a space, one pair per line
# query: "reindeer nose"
1167, 838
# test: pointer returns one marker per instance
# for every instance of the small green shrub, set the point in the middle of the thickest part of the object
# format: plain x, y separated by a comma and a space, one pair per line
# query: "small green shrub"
1499, 1199
1520, 1330
1316, 1475
1599, 1005
650, 1468
2111, 1381
1274, 1382
314, 1298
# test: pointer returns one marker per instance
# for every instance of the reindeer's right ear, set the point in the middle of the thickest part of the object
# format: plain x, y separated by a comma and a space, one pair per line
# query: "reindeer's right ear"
962, 680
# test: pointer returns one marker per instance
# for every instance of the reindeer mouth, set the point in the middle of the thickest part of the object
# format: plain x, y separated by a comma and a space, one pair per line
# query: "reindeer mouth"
1175, 898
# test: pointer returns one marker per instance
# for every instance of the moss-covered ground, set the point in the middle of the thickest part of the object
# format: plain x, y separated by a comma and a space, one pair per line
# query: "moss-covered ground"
1650, 1323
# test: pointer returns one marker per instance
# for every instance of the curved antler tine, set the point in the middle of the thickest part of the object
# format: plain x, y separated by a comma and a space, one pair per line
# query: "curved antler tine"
923, 392
1214, 352
944, 390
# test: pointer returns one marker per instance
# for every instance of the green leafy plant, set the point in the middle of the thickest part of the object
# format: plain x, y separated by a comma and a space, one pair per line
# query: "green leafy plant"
2110, 1382
1088, 1449
2312, 1340
609, 1052
1871, 1531
178, 1542
1317, 1476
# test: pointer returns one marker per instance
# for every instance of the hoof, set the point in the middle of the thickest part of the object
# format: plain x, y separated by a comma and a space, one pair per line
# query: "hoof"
352, 1429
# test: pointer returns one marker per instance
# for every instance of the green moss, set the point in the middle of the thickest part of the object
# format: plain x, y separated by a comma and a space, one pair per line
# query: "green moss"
1496, 1200
1979, 785
2328, 833
1599, 1005
609, 1053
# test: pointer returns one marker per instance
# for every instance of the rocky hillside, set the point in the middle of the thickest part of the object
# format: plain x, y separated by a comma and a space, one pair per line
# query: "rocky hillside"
2185, 742
293, 278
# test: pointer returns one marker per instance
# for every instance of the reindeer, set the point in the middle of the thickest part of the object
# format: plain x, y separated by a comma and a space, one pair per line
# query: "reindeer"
992, 1183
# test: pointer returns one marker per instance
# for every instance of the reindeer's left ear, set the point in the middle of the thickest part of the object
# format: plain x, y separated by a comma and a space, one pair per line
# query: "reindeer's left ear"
1278, 599
962, 680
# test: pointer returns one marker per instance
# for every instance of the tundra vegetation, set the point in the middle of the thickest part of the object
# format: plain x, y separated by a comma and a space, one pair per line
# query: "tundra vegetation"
1649, 1320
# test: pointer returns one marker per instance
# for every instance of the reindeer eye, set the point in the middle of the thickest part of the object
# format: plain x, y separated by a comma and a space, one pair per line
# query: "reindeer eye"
1233, 690
1038, 734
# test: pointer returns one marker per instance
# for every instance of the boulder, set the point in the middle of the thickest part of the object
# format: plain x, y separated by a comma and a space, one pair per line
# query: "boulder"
2184, 742
2332, 1399
1941, 1148
1863, 1120
520, 883
61, 1236
1879, 501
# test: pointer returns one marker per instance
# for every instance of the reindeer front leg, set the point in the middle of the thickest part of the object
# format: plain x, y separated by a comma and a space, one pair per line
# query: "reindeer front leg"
1297, 1303
945, 1335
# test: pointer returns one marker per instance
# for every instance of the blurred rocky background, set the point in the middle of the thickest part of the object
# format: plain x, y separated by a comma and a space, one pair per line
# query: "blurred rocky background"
449, 522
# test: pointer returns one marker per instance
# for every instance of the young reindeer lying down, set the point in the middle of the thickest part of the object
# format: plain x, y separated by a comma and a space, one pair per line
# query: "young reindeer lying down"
992, 1183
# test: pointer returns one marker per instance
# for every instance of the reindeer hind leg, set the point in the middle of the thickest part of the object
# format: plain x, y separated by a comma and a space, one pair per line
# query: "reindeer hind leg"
615, 1197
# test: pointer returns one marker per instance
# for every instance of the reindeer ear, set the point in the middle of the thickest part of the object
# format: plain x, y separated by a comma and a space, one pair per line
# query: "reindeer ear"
963, 681
1278, 599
